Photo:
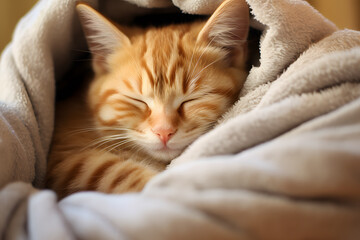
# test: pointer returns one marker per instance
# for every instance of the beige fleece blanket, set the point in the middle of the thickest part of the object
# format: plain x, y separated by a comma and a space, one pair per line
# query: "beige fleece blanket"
283, 163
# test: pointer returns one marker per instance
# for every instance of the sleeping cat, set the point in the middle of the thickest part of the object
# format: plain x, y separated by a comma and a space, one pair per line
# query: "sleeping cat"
154, 92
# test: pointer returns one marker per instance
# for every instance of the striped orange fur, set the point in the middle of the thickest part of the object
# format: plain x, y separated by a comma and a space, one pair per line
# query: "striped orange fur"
154, 92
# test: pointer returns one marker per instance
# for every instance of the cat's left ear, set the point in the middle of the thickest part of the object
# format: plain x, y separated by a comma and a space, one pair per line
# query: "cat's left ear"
102, 36
228, 26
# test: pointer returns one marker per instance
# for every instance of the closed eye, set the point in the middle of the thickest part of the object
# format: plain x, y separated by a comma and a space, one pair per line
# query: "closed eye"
136, 99
187, 101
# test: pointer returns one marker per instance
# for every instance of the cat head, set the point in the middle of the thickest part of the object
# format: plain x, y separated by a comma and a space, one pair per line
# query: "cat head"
158, 89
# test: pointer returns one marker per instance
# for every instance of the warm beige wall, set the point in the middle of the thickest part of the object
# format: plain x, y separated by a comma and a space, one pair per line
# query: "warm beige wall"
10, 13
345, 13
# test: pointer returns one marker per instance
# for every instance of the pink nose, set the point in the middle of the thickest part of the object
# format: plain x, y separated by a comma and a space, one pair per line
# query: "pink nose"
164, 134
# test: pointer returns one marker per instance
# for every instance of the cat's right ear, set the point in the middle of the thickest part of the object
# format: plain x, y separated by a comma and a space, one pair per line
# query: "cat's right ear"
102, 36
228, 28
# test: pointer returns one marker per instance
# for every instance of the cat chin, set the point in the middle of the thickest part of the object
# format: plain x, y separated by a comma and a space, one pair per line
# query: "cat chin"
164, 155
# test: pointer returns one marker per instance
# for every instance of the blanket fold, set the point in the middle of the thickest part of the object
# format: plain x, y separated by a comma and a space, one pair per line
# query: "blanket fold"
283, 163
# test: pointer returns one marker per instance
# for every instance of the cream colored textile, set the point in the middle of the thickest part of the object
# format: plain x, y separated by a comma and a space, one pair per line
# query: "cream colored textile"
283, 163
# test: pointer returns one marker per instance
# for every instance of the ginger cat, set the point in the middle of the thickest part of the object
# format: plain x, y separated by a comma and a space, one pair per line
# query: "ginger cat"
154, 92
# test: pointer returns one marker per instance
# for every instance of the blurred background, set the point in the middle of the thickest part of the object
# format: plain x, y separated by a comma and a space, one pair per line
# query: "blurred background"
344, 13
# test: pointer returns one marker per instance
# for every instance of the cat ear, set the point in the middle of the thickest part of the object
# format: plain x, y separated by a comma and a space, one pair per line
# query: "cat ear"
102, 36
228, 26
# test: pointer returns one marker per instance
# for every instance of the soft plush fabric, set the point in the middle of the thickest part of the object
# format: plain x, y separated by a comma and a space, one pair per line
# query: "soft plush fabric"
283, 163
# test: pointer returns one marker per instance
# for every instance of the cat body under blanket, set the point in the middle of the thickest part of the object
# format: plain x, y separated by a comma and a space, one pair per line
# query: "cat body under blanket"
154, 91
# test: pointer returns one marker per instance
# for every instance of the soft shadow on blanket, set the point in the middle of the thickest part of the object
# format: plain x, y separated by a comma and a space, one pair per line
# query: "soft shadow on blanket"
283, 163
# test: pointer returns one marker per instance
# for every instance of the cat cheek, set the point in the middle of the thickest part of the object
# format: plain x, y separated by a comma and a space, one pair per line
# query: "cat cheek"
107, 113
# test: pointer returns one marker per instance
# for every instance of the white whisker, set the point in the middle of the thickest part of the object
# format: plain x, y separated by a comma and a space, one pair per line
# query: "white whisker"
115, 145
197, 62
197, 75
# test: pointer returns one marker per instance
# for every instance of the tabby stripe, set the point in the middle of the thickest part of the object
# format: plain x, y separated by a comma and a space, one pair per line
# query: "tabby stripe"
178, 63
222, 92
186, 77
140, 85
144, 45
203, 115
160, 80
124, 173
114, 121
136, 182
116, 101
205, 105
172, 73
53, 164
181, 112
104, 98
166, 49
135, 107
128, 115
180, 46
123, 108
179, 60
145, 66
107, 94
142, 54
95, 177
125, 102
107, 123
128, 85
128, 104
185, 82
72, 174
191, 129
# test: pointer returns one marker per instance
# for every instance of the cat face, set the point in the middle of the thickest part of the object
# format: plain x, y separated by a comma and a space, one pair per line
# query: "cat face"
158, 89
